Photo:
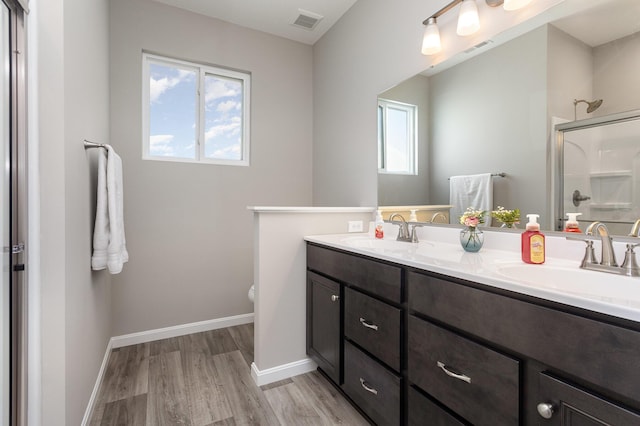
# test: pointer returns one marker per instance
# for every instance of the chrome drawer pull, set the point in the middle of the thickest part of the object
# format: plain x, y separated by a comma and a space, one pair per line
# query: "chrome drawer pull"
335, 298
367, 388
452, 374
368, 325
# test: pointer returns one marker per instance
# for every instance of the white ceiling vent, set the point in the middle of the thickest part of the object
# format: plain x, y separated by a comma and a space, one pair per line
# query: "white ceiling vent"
307, 20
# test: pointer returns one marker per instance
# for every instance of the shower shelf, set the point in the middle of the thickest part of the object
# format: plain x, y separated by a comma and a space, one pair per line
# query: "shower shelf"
605, 206
616, 173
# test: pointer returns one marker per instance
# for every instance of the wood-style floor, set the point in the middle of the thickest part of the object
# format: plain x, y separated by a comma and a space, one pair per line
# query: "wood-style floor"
204, 379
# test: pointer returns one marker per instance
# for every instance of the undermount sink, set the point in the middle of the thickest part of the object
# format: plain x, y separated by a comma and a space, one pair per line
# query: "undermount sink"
590, 284
368, 242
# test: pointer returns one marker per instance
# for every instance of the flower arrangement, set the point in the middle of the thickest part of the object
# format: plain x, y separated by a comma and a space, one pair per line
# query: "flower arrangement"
470, 238
507, 217
472, 217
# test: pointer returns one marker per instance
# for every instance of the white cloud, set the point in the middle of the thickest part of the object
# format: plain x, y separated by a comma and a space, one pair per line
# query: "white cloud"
159, 86
161, 145
227, 106
216, 89
228, 129
231, 152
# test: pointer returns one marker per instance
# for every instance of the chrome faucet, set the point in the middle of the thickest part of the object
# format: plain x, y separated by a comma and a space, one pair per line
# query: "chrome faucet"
608, 262
608, 257
403, 230
435, 216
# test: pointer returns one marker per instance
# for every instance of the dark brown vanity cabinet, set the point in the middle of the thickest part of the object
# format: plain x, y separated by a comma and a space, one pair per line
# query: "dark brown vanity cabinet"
539, 363
324, 337
409, 346
371, 334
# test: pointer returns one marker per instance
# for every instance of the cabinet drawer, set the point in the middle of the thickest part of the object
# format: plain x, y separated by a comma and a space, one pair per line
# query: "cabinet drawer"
472, 380
372, 387
375, 277
422, 411
374, 325
552, 337
574, 406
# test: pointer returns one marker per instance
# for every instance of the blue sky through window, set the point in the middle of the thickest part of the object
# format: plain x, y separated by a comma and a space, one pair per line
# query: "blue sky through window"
223, 118
174, 113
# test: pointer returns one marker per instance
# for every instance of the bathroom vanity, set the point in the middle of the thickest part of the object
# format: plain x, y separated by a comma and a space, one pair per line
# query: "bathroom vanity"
410, 338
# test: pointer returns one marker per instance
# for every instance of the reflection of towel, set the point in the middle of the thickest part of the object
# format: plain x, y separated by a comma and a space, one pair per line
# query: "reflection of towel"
474, 191
109, 248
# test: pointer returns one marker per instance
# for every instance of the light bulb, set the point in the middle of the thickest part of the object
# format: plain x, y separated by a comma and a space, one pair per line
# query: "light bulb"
468, 20
515, 4
431, 40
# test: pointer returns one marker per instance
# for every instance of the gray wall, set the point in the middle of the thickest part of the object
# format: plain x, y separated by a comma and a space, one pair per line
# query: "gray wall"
395, 189
73, 103
616, 80
189, 234
375, 45
488, 114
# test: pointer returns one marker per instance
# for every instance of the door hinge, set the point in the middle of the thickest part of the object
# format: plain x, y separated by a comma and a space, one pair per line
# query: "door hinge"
18, 248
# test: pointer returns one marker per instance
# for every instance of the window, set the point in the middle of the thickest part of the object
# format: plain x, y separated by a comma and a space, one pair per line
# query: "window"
194, 113
397, 137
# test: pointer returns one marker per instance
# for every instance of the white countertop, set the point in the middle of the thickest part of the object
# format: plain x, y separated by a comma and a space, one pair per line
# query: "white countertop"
558, 279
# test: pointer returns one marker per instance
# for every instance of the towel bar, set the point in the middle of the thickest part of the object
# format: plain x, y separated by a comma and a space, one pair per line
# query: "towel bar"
89, 144
501, 174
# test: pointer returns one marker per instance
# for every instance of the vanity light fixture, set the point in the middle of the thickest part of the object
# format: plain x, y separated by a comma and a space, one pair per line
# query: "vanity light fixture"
468, 21
431, 40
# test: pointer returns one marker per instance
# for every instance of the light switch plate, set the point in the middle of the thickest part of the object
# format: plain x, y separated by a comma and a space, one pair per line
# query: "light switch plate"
355, 226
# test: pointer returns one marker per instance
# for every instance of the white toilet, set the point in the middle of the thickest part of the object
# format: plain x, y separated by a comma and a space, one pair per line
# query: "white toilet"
252, 291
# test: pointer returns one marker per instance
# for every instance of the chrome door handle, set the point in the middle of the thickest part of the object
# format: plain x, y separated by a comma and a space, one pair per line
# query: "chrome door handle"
335, 298
452, 374
368, 324
546, 410
366, 387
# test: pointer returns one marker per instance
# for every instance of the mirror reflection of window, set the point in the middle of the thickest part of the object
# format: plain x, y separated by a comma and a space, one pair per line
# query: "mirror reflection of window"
397, 137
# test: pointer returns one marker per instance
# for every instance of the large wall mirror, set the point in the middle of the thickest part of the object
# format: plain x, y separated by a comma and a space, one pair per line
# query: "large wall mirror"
496, 112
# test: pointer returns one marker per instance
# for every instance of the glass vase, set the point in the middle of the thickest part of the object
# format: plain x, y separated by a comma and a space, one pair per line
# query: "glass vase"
510, 225
471, 239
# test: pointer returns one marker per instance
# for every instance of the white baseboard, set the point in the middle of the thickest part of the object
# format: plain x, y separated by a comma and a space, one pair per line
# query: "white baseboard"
157, 334
281, 372
180, 330
96, 387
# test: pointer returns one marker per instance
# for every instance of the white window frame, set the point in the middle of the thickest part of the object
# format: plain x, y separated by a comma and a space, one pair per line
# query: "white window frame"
201, 71
412, 132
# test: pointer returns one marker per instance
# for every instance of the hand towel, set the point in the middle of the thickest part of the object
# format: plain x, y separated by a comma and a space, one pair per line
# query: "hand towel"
109, 244
474, 191
101, 227
117, 253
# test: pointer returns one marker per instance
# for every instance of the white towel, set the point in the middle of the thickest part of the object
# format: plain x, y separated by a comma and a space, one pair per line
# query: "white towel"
474, 191
101, 227
109, 244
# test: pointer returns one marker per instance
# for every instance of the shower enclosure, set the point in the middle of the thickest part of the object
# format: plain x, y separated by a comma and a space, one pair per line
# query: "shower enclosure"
598, 171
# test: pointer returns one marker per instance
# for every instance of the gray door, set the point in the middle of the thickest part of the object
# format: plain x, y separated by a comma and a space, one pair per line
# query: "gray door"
12, 207
5, 216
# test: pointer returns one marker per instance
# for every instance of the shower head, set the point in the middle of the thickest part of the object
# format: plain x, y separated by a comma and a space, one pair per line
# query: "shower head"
591, 105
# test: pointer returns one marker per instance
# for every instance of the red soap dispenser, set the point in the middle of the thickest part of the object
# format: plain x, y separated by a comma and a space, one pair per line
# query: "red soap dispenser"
533, 242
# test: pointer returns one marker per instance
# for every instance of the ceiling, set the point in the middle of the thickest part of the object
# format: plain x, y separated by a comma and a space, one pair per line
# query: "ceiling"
271, 16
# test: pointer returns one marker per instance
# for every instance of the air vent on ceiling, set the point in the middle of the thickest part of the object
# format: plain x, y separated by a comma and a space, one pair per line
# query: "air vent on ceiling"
307, 20
478, 46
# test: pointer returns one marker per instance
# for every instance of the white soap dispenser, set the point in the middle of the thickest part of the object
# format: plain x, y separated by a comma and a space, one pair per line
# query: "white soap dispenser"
572, 223
412, 216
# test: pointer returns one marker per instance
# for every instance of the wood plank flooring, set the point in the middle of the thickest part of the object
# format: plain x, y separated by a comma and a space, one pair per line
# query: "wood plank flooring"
204, 379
